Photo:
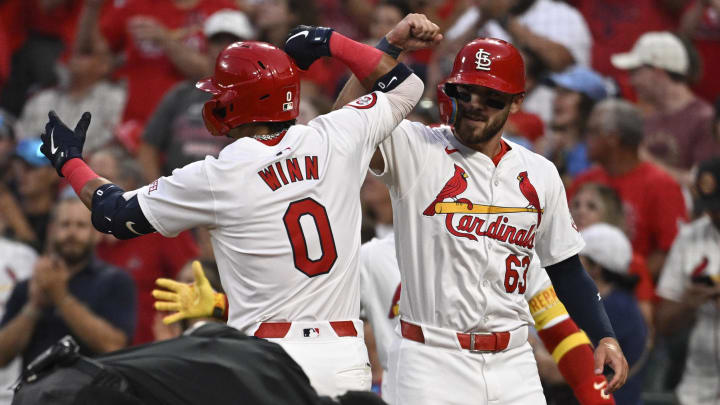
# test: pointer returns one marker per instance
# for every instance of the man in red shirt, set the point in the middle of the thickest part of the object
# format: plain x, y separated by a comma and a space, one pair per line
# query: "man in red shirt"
653, 200
162, 42
144, 258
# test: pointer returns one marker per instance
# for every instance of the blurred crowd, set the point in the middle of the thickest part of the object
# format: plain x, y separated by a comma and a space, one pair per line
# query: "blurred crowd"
622, 96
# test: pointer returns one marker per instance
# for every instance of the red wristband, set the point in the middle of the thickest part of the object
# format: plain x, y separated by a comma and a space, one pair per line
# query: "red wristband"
78, 173
360, 58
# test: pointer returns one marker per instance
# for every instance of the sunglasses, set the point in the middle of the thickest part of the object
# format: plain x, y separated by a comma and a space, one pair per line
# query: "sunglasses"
491, 100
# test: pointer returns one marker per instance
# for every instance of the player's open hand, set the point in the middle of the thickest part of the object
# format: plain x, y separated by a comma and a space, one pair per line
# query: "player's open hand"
414, 32
60, 143
608, 352
194, 300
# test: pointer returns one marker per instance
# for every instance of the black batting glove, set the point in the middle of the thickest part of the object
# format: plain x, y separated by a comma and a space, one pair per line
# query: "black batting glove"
60, 143
306, 44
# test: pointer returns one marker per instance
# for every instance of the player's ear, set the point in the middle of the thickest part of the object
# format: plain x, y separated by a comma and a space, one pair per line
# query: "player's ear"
516, 102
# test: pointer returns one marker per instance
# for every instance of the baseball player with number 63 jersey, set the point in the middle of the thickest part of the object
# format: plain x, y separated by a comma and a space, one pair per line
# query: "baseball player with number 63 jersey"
281, 201
470, 212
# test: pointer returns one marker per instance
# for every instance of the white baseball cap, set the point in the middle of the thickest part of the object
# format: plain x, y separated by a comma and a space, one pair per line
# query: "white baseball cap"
607, 246
662, 50
229, 21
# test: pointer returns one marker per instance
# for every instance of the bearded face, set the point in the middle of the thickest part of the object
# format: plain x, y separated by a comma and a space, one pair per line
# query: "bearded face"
482, 113
73, 236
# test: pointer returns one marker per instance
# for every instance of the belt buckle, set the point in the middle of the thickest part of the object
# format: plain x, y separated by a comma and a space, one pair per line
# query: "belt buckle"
472, 342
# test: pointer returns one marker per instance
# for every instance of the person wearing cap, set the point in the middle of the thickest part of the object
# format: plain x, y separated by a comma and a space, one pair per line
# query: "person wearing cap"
576, 92
678, 124
471, 209
689, 289
176, 127
606, 256
27, 212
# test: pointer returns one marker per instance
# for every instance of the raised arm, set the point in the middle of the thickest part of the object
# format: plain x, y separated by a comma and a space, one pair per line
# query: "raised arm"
414, 32
112, 213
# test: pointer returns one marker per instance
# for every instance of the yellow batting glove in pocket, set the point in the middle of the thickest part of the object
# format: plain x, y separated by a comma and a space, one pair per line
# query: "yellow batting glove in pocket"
194, 300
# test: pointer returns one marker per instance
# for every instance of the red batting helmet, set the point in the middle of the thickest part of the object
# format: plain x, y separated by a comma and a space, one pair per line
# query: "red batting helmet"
487, 62
253, 82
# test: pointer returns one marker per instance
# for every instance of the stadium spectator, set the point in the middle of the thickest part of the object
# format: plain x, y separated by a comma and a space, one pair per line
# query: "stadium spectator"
690, 290
7, 146
70, 292
162, 44
87, 89
606, 257
576, 92
653, 200
552, 36
176, 127
16, 261
554, 32
28, 215
596, 203
39, 31
677, 122
143, 259
617, 24
701, 25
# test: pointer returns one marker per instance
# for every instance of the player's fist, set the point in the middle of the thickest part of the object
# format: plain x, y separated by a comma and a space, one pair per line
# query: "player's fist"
194, 300
60, 143
414, 32
306, 44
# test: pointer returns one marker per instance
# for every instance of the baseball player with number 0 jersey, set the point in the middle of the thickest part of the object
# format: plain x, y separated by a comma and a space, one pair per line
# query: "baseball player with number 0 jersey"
470, 212
281, 201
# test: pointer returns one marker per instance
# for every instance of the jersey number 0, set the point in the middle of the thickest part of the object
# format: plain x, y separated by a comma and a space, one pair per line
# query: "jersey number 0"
301, 257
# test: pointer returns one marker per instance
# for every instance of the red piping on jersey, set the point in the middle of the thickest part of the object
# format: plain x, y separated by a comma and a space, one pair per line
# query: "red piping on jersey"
504, 147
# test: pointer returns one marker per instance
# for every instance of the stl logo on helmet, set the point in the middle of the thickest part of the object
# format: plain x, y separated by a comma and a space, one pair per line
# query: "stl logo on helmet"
482, 60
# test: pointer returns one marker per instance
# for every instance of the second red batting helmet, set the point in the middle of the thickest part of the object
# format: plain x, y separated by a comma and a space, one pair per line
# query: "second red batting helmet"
253, 82
487, 62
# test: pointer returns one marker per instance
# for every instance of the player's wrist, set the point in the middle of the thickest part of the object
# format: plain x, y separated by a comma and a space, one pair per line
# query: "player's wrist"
220, 307
78, 173
389, 48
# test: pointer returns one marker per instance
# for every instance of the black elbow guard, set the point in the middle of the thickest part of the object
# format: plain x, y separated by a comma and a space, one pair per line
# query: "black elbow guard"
113, 214
392, 78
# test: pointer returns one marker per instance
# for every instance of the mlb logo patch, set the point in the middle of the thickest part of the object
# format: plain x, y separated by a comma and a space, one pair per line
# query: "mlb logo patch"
311, 332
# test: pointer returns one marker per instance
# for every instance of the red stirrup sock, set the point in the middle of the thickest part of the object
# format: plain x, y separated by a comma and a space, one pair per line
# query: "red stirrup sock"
360, 58
78, 174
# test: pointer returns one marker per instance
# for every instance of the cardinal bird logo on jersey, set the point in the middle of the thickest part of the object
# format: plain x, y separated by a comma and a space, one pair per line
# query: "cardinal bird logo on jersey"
485, 220
527, 189
456, 185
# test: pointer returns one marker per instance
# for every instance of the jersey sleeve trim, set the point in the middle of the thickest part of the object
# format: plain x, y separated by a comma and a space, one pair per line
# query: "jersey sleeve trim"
572, 251
149, 215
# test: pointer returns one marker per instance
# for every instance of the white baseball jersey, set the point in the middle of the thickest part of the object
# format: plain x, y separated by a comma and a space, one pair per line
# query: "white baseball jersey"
285, 219
16, 264
380, 290
695, 252
466, 230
